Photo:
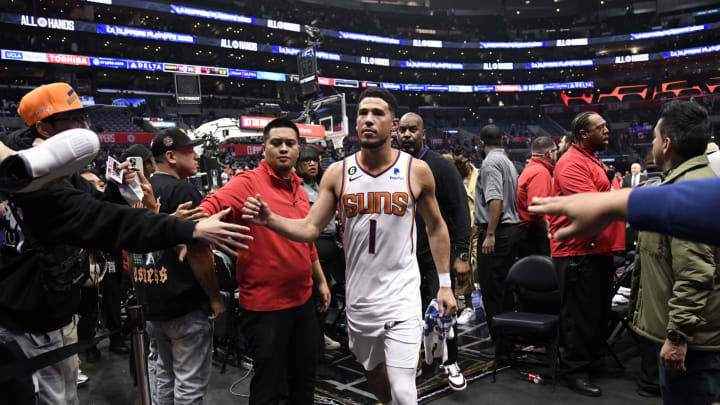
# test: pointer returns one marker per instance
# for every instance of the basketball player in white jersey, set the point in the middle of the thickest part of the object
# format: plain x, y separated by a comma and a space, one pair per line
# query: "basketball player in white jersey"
379, 190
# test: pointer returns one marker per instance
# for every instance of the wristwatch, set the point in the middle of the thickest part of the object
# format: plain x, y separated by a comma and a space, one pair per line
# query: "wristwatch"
674, 337
464, 256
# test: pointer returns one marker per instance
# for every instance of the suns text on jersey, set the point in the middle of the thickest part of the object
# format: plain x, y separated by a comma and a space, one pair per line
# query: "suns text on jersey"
380, 202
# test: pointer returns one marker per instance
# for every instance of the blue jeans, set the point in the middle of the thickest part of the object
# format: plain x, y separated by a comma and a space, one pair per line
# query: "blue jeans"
699, 385
180, 358
55, 384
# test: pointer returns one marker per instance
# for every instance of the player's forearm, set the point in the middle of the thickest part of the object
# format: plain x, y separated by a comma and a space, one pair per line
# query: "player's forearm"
299, 230
495, 210
201, 264
439, 240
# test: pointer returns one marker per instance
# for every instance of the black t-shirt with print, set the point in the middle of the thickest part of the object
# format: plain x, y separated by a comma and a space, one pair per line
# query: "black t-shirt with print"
165, 286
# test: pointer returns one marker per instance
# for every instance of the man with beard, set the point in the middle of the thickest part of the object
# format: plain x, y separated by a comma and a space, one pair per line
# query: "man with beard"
451, 197
676, 298
584, 266
564, 144
379, 190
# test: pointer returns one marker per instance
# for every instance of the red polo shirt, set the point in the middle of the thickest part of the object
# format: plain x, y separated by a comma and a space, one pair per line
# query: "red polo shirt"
274, 273
535, 181
579, 171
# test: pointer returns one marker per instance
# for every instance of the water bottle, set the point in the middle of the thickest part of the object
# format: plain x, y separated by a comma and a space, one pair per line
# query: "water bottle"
478, 306
532, 377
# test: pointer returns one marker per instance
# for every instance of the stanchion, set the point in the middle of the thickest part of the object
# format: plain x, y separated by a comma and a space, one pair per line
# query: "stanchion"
137, 321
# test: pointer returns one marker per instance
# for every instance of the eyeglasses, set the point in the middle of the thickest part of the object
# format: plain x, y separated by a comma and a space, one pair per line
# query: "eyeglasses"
462, 163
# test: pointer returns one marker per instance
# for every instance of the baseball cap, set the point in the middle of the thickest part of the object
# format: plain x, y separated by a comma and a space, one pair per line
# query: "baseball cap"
48, 100
170, 139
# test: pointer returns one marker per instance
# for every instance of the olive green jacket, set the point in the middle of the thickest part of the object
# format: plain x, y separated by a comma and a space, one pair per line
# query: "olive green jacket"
675, 283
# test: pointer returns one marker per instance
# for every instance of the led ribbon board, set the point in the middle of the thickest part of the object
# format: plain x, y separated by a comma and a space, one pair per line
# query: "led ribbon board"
285, 50
90, 61
355, 36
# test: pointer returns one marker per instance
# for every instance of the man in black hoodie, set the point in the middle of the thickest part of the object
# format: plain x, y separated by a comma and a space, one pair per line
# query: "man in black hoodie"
41, 260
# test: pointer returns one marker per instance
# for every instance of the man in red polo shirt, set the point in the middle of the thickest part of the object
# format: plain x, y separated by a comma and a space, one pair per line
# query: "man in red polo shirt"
276, 275
536, 181
584, 266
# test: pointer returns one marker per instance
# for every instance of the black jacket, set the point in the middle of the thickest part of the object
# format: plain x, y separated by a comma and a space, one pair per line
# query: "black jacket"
452, 199
42, 233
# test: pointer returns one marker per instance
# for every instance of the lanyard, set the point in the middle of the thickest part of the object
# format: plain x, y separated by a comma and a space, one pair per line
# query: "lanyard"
594, 160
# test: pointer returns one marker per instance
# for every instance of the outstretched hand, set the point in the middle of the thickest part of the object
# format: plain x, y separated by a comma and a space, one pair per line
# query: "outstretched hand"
224, 235
588, 213
256, 211
184, 211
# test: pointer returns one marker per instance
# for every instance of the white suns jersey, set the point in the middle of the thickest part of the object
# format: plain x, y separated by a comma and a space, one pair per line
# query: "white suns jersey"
378, 213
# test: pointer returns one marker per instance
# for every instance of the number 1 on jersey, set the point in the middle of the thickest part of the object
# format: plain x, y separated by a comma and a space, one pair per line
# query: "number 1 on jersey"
371, 242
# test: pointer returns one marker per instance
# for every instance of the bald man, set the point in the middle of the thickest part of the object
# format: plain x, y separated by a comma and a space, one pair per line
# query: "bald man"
452, 199
635, 177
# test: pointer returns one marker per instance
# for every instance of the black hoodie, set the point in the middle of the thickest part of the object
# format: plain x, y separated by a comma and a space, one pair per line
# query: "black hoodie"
43, 232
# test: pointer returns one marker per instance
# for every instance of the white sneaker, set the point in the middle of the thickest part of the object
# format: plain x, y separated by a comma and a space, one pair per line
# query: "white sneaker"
61, 155
82, 379
456, 379
331, 344
467, 316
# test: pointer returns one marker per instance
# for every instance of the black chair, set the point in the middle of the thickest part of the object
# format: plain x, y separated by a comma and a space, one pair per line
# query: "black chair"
619, 316
537, 319
225, 330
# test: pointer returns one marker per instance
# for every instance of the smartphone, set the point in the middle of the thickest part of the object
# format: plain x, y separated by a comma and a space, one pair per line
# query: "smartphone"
136, 162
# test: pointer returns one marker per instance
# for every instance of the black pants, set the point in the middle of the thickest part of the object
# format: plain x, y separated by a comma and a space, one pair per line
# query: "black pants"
699, 385
332, 259
585, 284
429, 286
493, 270
332, 262
533, 240
648, 379
110, 286
284, 351
88, 311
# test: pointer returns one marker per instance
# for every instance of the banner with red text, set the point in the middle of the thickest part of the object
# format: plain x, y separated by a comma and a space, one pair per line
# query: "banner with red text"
125, 137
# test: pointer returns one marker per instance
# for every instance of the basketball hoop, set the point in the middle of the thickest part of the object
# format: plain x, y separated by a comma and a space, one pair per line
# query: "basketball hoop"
337, 140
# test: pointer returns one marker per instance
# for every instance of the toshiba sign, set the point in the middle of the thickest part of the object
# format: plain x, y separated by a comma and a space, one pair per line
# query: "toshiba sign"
308, 131
68, 59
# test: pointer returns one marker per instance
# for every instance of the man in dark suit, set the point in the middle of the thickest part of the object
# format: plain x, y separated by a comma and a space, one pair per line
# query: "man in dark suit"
635, 177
